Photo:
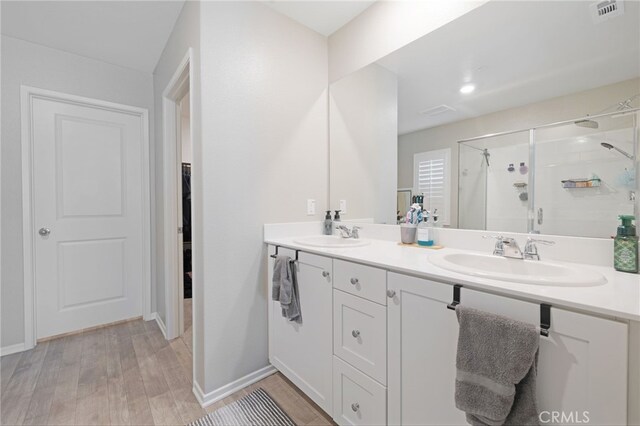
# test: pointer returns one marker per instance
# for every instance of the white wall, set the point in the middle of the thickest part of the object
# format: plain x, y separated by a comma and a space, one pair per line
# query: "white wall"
185, 35
363, 111
387, 26
549, 111
263, 154
25, 63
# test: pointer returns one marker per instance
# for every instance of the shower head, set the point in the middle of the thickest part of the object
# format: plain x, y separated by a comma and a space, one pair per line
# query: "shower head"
610, 147
586, 123
486, 155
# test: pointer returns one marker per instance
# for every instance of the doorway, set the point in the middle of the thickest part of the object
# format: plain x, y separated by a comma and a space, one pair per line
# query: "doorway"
178, 170
185, 251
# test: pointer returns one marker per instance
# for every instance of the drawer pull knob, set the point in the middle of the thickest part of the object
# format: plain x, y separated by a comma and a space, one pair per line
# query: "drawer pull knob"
325, 274
354, 281
355, 406
355, 333
391, 294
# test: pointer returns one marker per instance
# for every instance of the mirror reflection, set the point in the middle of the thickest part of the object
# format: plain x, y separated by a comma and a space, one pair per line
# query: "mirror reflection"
413, 125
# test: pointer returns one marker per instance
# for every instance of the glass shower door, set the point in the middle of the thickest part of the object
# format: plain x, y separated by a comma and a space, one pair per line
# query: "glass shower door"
585, 176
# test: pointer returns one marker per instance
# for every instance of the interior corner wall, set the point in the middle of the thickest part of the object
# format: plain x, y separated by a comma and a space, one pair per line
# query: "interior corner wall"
387, 26
30, 64
364, 144
185, 35
264, 153
567, 107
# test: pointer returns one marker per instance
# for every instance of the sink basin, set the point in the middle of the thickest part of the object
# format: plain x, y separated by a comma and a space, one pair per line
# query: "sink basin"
330, 241
518, 270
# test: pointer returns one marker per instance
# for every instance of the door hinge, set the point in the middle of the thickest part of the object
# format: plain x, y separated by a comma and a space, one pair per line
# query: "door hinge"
179, 229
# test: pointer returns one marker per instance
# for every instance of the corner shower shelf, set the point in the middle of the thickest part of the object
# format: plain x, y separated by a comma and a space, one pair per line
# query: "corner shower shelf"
581, 183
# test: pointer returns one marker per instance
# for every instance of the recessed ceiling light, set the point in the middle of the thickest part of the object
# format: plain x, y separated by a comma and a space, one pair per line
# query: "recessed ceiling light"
467, 88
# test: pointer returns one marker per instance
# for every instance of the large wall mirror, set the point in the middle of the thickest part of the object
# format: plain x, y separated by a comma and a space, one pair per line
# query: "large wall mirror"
514, 117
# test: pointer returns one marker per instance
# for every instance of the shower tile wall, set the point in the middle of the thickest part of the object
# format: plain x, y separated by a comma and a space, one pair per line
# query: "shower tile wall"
505, 209
588, 212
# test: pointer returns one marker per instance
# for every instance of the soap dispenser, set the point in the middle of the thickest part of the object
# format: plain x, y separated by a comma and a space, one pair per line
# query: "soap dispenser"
328, 224
336, 217
625, 246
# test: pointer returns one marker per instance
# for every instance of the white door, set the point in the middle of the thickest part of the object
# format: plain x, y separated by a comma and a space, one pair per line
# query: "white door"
87, 213
303, 352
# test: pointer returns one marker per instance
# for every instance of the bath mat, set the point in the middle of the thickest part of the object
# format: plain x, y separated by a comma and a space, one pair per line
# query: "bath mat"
255, 409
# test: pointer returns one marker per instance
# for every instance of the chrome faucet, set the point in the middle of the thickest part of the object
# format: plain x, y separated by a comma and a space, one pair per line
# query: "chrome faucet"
531, 250
345, 232
508, 247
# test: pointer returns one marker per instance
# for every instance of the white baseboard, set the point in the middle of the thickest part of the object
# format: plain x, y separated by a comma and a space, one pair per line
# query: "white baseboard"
160, 323
228, 389
12, 349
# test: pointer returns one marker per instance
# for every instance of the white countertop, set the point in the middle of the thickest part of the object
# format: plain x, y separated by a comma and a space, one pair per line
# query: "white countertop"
619, 297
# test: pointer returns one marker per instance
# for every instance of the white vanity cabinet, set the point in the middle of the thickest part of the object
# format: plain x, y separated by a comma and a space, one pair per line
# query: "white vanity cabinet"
582, 368
303, 352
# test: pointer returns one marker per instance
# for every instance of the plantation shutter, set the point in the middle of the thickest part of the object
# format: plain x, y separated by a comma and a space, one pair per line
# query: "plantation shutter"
432, 179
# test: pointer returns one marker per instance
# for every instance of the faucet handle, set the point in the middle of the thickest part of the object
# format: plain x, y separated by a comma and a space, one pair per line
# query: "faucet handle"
498, 250
545, 242
531, 250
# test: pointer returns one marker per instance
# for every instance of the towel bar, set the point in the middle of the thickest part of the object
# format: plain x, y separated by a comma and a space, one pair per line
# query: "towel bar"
545, 311
273, 256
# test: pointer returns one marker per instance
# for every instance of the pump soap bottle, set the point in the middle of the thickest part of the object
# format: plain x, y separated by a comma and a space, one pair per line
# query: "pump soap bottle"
625, 246
328, 224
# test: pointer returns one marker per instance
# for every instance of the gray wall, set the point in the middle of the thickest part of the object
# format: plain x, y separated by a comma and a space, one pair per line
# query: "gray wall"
363, 108
263, 152
34, 65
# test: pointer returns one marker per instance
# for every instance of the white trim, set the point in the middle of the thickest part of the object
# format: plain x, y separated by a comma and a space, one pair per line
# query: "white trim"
8, 350
155, 316
27, 94
175, 90
226, 390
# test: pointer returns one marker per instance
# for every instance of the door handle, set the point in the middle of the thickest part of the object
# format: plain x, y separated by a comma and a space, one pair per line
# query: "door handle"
44, 232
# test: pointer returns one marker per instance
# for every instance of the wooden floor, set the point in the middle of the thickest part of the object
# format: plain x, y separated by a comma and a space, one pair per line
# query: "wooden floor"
121, 374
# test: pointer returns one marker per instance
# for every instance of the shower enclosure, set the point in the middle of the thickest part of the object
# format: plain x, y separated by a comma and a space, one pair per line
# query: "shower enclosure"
568, 178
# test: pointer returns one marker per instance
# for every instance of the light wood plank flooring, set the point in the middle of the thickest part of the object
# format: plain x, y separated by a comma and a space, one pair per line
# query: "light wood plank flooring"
122, 374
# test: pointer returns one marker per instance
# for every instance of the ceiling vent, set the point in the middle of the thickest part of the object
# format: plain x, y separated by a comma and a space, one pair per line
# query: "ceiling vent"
604, 10
437, 110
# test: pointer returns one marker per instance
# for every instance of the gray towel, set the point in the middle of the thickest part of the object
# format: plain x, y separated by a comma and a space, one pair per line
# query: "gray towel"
496, 369
285, 288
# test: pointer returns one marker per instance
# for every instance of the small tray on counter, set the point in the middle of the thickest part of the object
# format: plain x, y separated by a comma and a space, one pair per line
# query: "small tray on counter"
434, 247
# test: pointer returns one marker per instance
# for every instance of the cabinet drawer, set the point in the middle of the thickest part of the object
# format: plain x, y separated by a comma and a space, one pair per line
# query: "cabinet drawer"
357, 400
360, 334
361, 280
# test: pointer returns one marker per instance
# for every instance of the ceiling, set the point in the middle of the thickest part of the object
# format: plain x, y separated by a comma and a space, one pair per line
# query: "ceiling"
324, 17
515, 53
131, 34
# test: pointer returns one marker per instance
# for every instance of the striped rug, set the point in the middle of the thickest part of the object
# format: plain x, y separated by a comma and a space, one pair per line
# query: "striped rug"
255, 409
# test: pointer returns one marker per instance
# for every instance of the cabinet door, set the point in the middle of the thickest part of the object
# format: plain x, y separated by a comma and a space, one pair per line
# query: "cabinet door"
422, 339
304, 352
582, 365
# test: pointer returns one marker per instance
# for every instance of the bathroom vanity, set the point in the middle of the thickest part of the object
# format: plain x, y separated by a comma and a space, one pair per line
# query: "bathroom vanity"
377, 344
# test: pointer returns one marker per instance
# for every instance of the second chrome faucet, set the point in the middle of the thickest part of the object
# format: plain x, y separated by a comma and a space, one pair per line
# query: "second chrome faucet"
508, 247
